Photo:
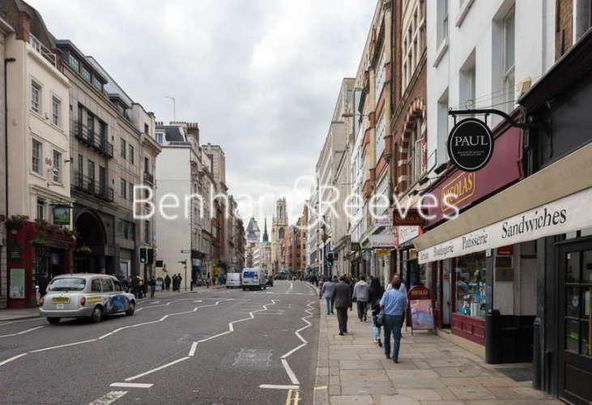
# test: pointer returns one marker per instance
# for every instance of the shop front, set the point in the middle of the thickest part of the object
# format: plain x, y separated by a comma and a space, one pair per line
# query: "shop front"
462, 283
35, 249
383, 244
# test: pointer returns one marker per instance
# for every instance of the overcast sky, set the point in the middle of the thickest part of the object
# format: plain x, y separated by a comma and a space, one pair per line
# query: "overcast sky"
261, 77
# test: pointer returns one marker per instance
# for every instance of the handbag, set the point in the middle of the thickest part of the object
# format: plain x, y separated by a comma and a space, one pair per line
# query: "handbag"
380, 319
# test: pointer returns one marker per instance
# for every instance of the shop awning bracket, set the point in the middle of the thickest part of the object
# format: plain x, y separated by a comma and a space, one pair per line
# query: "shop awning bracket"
486, 112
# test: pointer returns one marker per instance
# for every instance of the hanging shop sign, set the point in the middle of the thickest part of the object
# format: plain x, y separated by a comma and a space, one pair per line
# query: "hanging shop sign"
61, 215
463, 189
382, 241
408, 218
470, 144
420, 306
565, 215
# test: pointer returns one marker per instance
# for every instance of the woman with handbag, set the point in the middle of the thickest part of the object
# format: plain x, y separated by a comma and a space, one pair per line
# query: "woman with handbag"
374, 295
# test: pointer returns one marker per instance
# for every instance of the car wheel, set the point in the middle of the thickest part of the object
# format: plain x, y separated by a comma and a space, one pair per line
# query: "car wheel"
97, 315
131, 309
53, 321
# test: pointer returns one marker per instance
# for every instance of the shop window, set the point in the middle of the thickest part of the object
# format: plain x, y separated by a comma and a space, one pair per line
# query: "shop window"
471, 285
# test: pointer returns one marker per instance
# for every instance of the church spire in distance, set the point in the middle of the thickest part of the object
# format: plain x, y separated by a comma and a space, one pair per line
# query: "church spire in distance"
265, 235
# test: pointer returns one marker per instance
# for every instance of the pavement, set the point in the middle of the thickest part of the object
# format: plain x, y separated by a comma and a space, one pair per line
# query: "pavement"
212, 346
351, 369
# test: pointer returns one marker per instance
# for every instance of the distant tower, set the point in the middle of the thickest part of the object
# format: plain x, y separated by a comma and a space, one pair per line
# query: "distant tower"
265, 235
253, 232
278, 228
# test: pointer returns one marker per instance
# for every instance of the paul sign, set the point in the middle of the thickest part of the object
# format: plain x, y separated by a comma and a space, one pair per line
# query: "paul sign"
470, 144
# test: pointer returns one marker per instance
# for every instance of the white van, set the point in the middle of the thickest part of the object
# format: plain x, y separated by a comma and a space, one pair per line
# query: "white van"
254, 278
233, 280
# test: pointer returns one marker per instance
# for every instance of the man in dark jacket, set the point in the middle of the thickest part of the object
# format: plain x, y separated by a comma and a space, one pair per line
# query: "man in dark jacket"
167, 282
43, 283
343, 301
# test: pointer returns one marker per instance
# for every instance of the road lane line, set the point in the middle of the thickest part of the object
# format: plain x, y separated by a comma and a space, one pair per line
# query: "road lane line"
290, 373
130, 385
108, 398
18, 356
157, 369
192, 350
61, 346
279, 387
22, 332
294, 350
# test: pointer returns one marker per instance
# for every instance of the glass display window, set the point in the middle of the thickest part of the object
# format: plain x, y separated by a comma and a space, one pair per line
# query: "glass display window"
471, 285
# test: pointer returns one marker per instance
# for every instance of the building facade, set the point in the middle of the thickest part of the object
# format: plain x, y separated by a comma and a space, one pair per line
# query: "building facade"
279, 225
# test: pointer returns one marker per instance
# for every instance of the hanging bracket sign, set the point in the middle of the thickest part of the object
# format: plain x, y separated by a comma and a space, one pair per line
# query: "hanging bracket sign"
470, 144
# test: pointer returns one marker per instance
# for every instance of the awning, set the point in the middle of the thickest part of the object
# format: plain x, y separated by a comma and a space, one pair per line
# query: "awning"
482, 226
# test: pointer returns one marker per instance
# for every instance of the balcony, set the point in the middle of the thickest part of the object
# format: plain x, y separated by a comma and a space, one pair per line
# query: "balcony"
92, 140
148, 178
92, 187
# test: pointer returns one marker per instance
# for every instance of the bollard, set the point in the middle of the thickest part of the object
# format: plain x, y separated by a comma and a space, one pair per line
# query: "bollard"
494, 345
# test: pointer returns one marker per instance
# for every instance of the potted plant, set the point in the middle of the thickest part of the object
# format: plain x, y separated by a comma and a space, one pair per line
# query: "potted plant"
15, 222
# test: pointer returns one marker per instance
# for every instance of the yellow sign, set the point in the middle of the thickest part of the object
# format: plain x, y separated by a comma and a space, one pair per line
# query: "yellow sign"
93, 299
382, 252
459, 189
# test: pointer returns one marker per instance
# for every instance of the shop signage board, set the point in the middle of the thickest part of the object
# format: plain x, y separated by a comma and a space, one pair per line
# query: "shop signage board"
565, 215
61, 215
406, 233
382, 252
420, 307
382, 241
412, 216
462, 189
470, 144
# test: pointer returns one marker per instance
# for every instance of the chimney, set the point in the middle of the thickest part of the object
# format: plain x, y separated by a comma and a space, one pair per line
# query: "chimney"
23, 29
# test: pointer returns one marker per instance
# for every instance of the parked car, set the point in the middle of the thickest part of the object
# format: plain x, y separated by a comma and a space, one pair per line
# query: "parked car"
233, 280
254, 278
89, 296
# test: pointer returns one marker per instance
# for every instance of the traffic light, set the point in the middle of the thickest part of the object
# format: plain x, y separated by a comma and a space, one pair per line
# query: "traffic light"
143, 255
150, 256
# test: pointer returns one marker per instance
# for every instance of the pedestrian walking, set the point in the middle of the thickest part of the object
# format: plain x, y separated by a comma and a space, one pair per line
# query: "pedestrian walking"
393, 303
335, 281
343, 301
397, 277
152, 284
174, 282
208, 281
179, 279
328, 292
360, 295
374, 295
167, 282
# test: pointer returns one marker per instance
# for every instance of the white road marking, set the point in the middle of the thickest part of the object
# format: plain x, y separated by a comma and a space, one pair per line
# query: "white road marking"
131, 385
291, 374
22, 332
64, 345
139, 309
192, 350
12, 358
157, 369
279, 387
20, 321
108, 398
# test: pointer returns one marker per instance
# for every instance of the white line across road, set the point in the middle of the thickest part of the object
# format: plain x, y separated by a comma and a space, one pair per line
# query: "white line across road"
279, 387
172, 363
22, 332
108, 398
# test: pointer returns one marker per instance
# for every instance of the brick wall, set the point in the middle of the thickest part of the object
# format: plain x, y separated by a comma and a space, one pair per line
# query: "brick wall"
563, 27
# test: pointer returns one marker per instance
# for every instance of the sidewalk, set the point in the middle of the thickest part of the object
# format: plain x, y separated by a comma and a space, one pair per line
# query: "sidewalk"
351, 369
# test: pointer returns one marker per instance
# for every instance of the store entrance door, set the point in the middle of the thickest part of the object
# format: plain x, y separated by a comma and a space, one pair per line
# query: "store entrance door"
575, 316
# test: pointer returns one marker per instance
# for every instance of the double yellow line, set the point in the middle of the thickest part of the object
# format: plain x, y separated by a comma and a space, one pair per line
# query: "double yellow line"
293, 397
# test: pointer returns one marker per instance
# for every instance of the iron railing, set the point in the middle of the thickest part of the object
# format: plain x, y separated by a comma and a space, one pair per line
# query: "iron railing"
92, 140
148, 178
92, 187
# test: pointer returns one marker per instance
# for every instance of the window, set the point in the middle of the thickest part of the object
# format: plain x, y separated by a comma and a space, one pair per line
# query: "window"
415, 152
146, 165
74, 63
146, 129
106, 285
86, 74
380, 74
467, 84
412, 44
509, 61
132, 154
91, 176
379, 142
442, 151
80, 170
95, 285
131, 191
98, 85
57, 167
90, 127
442, 15
102, 180
37, 151
40, 209
35, 96
122, 148
103, 133
56, 109
471, 285
159, 138
123, 188
146, 231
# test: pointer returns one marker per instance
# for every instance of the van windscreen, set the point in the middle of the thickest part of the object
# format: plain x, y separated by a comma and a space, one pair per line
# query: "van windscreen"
250, 274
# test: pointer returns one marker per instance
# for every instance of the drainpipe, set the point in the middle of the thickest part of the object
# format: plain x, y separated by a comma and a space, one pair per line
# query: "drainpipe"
6, 62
